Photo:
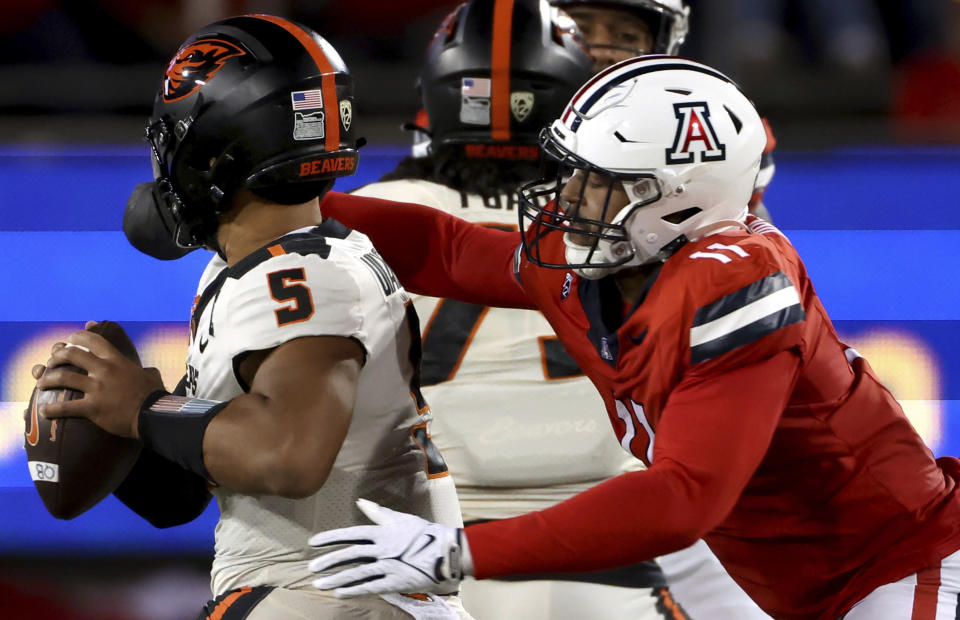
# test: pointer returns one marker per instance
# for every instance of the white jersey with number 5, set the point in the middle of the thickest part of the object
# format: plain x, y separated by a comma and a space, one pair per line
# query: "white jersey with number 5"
520, 428
319, 281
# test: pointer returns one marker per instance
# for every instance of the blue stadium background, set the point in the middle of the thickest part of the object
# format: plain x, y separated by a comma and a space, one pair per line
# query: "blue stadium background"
876, 224
879, 230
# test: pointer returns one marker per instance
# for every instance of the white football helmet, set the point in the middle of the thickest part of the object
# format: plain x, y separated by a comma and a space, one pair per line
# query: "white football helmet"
681, 140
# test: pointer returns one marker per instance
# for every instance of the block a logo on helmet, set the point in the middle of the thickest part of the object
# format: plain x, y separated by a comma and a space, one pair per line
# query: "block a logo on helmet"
693, 127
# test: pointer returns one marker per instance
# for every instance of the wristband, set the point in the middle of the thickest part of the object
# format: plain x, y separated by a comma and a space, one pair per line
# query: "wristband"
174, 426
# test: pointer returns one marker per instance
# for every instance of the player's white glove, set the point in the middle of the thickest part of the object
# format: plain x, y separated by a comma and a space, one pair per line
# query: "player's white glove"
402, 553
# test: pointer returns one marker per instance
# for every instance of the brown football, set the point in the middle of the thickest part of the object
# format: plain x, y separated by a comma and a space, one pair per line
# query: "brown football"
73, 462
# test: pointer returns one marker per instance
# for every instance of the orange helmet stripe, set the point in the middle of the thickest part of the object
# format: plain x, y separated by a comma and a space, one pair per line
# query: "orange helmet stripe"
500, 70
328, 82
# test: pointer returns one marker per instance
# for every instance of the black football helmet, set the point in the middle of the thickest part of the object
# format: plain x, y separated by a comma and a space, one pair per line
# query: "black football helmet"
257, 102
497, 72
668, 19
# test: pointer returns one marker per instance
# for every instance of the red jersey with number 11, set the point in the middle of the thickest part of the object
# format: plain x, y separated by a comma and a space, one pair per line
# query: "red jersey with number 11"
764, 433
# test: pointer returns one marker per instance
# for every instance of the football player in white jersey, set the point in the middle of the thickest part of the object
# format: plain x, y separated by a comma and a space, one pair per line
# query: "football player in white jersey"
302, 389
615, 30
520, 426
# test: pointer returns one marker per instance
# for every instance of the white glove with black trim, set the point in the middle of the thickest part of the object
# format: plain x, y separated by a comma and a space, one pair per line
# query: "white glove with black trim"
402, 553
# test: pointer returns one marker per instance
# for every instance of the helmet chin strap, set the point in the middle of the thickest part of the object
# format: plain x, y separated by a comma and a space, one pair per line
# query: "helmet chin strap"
577, 254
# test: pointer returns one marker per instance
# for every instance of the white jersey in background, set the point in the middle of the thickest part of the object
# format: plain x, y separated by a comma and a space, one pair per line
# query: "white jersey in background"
518, 424
521, 429
318, 281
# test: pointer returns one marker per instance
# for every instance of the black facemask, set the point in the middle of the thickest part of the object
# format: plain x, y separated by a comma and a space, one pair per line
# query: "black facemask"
149, 227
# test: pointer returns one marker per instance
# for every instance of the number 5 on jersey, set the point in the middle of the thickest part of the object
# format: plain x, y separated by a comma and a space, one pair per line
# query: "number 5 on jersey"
296, 297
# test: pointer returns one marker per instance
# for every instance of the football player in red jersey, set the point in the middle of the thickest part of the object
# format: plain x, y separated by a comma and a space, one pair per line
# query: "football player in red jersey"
613, 31
719, 367
479, 361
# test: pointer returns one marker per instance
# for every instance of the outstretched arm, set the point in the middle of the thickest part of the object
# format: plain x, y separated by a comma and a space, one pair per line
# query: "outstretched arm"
711, 439
434, 253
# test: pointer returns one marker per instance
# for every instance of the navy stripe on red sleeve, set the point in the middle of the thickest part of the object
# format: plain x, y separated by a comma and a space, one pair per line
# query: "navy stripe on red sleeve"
744, 316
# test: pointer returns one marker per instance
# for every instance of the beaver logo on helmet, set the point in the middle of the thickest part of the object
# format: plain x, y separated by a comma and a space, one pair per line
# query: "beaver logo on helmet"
194, 65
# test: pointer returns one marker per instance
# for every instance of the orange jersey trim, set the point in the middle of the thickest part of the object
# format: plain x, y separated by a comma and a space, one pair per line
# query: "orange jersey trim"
672, 607
426, 455
224, 605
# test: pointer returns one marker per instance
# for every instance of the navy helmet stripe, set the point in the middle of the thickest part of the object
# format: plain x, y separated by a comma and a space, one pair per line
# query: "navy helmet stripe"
604, 73
600, 92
